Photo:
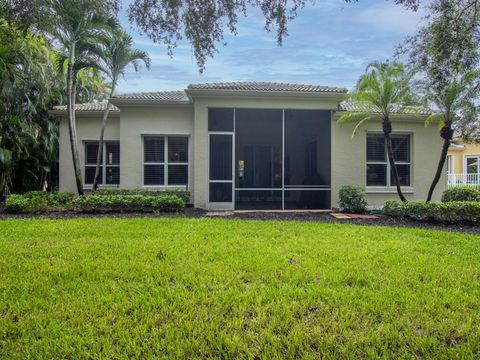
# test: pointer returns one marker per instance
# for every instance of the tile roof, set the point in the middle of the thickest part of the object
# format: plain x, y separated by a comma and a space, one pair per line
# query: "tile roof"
93, 106
363, 107
266, 86
155, 96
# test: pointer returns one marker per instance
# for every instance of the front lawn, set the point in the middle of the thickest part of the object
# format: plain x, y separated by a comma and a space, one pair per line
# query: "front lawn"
223, 288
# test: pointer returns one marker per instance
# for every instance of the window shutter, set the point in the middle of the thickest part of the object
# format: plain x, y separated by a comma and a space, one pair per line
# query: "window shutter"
401, 147
113, 153
91, 152
177, 149
375, 147
154, 149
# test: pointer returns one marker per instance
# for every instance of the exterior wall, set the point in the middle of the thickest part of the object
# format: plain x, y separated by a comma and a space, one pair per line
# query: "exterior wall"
349, 161
459, 156
88, 128
348, 156
201, 129
138, 121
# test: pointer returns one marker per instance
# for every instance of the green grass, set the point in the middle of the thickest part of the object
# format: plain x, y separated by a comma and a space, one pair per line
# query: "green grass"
217, 288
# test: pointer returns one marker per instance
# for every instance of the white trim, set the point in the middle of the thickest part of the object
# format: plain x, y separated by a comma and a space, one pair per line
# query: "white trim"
388, 190
469, 156
103, 164
386, 162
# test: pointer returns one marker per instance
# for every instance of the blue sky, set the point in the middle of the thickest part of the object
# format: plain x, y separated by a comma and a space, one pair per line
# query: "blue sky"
329, 43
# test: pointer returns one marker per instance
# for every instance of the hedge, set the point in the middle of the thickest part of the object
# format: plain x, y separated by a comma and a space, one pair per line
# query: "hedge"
449, 212
34, 202
461, 193
128, 203
184, 195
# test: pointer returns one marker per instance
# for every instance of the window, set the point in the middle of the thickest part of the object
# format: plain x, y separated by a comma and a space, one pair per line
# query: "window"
450, 164
165, 160
379, 172
109, 166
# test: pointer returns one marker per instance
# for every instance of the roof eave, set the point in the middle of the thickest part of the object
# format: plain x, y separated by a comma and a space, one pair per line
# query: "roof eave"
153, 102
394, 116
57, 112
192, 93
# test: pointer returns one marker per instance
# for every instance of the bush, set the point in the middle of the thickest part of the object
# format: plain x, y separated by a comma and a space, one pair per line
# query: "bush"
62, 200
393, 208
352, 199
461, 193
128, 203
184, 195
450, 212
55, 200
22, 204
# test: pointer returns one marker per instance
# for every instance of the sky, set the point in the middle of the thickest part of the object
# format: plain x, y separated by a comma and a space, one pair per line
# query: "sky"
329, 43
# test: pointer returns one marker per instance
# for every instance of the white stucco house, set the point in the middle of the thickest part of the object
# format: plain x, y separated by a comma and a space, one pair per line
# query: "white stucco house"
248, 145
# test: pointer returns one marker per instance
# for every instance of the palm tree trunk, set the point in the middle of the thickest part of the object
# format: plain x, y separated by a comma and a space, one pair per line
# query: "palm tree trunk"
447, 135
100, 143
387, 130
72, 129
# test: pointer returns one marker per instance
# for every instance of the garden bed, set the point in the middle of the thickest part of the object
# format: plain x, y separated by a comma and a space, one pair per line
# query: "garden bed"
190, 212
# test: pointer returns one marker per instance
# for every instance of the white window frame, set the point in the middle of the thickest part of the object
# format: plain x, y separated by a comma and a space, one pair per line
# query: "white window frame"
103, 164
450, 164
389, 184
165, 161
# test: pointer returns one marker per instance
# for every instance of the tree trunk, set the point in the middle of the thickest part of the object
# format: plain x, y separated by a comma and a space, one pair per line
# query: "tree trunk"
72, 129
100, 143
447, 135
387, 130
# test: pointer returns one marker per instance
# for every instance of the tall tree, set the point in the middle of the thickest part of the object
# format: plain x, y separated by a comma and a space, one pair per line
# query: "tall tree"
77, 24
385, 89
117, 53
446, 50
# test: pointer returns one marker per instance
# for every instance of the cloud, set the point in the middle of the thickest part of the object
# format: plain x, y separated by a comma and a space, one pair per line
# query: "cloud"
330, 42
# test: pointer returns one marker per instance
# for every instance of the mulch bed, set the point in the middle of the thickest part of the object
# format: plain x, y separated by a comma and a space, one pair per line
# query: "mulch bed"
378, 220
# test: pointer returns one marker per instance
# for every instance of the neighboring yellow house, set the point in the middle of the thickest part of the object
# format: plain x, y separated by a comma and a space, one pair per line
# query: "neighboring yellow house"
463, 162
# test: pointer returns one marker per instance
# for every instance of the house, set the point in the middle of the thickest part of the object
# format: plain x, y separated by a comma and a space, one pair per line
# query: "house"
249, 145
463, 164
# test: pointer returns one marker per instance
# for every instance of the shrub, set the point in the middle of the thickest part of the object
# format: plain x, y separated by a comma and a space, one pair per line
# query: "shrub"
22, 204
184, 195
451, 212
461, 193
352, 199
16, 203
393, 208
62, 200
128, 203
56, 200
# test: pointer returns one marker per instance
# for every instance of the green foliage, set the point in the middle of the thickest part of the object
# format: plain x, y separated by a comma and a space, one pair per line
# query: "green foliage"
184, 195
461, 193
128, 203
235, 289
352, 199
393, 208
386, 88
21, 204
449, 212
16, 203
28, 87
39, 201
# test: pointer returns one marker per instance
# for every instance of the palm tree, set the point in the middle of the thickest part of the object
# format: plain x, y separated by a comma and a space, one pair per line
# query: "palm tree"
385, 89
117, 54
77, 22
455, 102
